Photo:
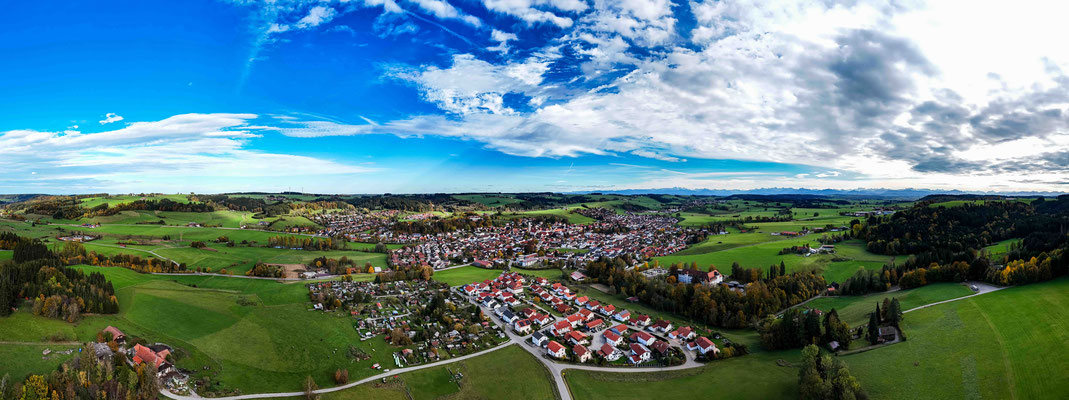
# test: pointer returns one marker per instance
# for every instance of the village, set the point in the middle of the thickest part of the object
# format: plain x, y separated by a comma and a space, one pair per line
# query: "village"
523, 242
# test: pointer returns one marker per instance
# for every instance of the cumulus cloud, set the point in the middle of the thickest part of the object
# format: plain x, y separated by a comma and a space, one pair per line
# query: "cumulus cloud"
843, 85
108, 118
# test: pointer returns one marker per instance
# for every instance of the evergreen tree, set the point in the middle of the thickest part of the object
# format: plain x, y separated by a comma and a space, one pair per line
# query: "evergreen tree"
874, 333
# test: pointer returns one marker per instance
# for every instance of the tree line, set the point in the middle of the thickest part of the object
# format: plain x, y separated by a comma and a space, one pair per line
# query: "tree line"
58, 291
715, 305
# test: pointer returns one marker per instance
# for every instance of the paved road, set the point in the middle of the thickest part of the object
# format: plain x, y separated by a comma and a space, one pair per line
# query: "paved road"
984, 289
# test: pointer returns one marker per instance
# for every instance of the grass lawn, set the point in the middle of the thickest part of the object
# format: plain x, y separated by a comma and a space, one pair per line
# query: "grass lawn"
5, 255
1010, 344
552, 273
999, 249
90, 202
465, 275
239, 259
855, 309
754, 376
21, 360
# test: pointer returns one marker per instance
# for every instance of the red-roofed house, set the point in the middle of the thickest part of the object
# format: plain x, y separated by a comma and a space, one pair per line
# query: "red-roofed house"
612, 338
705, 345
581, 353
576, 337
146, 355
555, 349
595, 324
561, 327
642, 337
608, 352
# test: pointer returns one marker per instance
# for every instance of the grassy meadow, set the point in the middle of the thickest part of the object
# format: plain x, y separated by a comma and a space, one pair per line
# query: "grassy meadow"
465, 275
855, 310
1009, 344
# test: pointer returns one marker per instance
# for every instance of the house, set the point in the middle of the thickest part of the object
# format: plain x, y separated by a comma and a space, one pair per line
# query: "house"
640, 320
661, 326
684, 333
608, 309
660, 346
704, 345
560, 328
622, 316
580, 301
620, 329
642, 337
555, 350
509, 317
148, 355
595, 324
578, 276
576, 337
538, 339
586, 314
523, 326
693, 276
582, 354
639, 353
575, 320
116, 334
888, 333
612, 338
608, 352
541, 319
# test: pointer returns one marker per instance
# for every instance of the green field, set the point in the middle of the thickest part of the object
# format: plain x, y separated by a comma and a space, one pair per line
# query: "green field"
21, 360
267, 347
5, 255
764, 254
754, 376
90, 202
465, 275
488, 200
1002, 345
855, 309
545, 273
999, 249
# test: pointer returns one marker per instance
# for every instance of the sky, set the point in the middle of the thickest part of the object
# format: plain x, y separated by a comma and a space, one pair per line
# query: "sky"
419, 96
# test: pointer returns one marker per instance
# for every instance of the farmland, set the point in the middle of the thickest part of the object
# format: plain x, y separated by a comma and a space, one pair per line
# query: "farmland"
465, 275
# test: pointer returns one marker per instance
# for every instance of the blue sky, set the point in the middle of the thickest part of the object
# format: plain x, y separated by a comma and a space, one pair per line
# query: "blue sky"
369, 96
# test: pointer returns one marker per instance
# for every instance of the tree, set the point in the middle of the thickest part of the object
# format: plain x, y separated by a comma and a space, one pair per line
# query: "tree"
895, 313
310, 388
35, 388
824, 377
341, 376
874, 333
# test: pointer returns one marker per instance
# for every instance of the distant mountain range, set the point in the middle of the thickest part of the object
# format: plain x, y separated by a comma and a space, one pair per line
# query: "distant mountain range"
911, 194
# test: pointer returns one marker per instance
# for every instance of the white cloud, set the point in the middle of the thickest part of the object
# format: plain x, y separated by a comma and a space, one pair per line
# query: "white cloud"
318, 15
528, 11
471, 85
503, 39
443, 10
183, 149
108, 118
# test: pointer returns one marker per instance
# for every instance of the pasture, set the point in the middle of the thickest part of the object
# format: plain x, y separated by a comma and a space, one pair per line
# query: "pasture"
855, 310
1007, 344
835, 267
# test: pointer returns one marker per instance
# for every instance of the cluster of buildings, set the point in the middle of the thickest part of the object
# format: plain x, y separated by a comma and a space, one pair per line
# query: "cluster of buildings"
527, 242
153, 354
580, 328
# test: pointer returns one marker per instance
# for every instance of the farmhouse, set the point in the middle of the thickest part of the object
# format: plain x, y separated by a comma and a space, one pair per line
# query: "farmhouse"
155, 356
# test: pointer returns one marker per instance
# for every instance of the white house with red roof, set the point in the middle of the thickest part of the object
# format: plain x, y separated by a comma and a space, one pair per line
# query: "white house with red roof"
609, 353
560, 328
612, 338
704, 345
642, 337
582, 354
555, 349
